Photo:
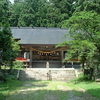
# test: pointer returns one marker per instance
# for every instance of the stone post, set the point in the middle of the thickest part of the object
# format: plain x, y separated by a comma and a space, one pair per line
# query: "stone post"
49, 76
47, 65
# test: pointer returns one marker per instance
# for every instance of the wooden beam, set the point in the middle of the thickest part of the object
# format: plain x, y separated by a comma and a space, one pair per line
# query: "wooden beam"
30, 58
46, 51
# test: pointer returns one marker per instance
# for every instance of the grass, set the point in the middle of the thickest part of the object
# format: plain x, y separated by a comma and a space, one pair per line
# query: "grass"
19, 68
90, 87
43, 90
39, 90
9, 88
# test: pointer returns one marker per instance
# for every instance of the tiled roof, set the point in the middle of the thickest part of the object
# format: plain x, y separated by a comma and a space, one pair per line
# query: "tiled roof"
39, 35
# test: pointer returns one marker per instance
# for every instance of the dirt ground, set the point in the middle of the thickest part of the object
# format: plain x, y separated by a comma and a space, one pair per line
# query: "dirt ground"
42, 90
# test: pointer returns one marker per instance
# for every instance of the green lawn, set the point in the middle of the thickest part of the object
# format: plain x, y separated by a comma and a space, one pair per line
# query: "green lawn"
90, 87
48, 90
11, 86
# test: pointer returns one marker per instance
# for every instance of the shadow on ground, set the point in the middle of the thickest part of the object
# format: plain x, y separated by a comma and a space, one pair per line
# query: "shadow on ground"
51, 95
95, 92
40, 90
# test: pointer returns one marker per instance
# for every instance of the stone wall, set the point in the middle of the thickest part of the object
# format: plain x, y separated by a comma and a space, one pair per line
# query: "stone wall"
59, 74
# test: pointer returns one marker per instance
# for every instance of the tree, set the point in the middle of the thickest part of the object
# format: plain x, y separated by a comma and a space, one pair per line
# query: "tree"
58, 11
87, 5
8, 45
41, 18
84, 31
3, 10
43, 13
40, 13
52, 15
14, 13
28, 13
15, 1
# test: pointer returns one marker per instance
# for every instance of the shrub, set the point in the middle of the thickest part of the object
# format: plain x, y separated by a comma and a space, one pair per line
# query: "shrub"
18, 64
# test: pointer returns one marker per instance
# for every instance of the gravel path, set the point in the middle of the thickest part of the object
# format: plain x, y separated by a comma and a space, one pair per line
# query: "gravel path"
43, 90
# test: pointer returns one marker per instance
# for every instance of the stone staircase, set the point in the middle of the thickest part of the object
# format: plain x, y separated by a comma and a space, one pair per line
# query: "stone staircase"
57, 74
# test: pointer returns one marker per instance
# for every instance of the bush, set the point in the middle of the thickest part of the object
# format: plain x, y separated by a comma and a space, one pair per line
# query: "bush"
81, 78
18, 64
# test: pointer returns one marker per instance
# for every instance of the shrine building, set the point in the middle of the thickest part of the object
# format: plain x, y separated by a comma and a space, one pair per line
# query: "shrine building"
38, 46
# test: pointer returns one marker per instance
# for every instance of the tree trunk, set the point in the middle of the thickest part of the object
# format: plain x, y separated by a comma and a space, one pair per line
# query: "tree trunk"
91, 73
83, 62
11, 66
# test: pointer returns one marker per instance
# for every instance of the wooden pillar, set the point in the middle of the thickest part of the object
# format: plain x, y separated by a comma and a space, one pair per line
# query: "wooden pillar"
62, 57
72, 64
30, 65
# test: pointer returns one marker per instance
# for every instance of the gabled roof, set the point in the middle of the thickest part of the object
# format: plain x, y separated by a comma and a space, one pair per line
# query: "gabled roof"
39, 35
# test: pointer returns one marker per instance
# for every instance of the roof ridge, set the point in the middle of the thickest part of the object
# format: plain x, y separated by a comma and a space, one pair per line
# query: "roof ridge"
37, 28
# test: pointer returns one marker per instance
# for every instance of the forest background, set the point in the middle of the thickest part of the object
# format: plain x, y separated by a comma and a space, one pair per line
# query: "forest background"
43, 13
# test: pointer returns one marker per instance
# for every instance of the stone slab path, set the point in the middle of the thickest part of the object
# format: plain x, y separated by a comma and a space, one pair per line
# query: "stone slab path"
44, 90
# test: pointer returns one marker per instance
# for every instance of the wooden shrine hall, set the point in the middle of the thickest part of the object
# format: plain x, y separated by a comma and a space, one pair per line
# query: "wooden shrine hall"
38, 46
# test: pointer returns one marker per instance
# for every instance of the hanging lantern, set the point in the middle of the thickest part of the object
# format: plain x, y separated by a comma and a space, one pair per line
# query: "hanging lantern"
50, 53
57, 53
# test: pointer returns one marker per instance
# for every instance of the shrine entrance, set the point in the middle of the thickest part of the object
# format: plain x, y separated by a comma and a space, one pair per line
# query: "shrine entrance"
39, 55
46, 53
46, 56
43, 54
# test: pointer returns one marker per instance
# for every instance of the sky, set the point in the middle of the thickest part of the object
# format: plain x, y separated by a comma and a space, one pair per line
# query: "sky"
12, 1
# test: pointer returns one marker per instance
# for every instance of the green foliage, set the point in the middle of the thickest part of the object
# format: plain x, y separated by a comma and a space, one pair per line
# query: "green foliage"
80, 78
18, 64
10, 47
87, 5
14, 13
84, 38
4, 10
58, 11
28, 13
84, 32
61, 90
90, 87
8, 87
43, 13
40, 13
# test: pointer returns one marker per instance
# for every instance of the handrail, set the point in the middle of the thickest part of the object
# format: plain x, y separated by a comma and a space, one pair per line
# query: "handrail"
18, 74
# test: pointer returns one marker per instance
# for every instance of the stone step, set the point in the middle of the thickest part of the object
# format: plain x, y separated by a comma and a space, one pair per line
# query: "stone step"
52, 74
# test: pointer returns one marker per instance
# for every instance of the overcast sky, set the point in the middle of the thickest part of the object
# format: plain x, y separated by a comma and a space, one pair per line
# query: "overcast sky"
12, 1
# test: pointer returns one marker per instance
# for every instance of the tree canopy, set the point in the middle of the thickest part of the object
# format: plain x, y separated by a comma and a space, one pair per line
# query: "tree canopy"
4, 7
43, 13
39, 13
87, 5
8, 46
84, 30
